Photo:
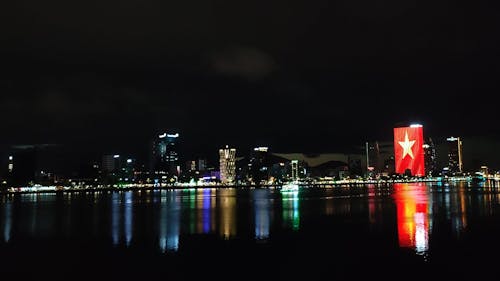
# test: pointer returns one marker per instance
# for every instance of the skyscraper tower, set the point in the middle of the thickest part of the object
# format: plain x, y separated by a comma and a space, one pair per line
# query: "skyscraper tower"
373, 159
227, 160
455, 164
295, 169
258, 165
430, 157
165, 158
409, 150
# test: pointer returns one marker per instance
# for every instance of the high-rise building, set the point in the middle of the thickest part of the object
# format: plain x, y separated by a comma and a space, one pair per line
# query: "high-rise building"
455, 164
373, 155
10, 167
202, 165
373, 159
227, 160
409, 150
379, 158
295, 169
111, 163
165, 158
484, 170
258, 165
116, 168
191, 165
430, 158
23, 166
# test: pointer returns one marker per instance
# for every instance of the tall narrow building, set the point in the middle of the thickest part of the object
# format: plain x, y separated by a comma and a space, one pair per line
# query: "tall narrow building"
455, 164
409, 150
227, 160
373, 160
165, 157
295, 169
430, 157
259, 165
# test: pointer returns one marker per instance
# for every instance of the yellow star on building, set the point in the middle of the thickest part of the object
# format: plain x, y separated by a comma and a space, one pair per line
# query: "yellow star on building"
406, 145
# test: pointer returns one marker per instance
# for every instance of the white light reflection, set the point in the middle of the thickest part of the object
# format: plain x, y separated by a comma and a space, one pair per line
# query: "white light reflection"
115, 218
262, 207
7, 228
169, 221
290, 205
128, 217
421, 234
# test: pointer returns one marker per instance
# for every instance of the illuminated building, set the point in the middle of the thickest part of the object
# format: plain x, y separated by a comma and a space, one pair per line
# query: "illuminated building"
129, 170
455, 155
295, 169
373, 160
202, 165
409, 150
191, 165
116, 168
258, 165
227, 161
23, 166
430, 158
11, 164
165, 158
379, 159
111, 163
484, 170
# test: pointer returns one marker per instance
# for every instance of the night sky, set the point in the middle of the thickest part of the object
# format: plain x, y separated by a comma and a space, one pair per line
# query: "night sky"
298, 76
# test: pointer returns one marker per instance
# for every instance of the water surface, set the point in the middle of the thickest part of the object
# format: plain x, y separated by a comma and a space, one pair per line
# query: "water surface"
404, 231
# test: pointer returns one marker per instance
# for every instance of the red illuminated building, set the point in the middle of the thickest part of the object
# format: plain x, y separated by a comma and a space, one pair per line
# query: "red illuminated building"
409, 151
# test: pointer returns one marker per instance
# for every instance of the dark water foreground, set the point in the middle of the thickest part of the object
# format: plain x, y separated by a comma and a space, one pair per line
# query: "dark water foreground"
400, 232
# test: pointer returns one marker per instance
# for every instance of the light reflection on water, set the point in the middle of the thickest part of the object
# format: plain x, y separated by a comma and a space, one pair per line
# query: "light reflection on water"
169, 230
227, 213
122, 218
262, 207
7, 220
291, 213
407, 212
412, 203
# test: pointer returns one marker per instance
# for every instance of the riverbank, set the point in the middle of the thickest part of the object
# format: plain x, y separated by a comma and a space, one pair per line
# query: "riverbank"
124, 187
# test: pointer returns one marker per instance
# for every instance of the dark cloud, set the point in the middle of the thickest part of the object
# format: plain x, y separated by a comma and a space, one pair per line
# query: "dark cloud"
244, 62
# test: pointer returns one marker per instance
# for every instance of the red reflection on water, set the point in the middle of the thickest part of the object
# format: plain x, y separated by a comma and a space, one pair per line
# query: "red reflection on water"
412, 216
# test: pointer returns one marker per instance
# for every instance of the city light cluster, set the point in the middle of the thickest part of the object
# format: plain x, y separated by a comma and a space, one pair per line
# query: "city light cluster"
411, 157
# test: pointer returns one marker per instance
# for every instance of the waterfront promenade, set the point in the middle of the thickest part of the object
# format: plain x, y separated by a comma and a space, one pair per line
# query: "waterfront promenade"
493, 180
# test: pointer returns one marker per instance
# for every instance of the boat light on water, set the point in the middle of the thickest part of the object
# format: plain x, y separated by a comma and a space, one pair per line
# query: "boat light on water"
290, 187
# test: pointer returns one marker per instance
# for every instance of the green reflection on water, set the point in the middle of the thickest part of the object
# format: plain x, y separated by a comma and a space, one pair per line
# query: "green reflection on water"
291, 212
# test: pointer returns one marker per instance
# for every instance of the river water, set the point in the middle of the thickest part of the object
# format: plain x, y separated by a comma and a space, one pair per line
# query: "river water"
401, 231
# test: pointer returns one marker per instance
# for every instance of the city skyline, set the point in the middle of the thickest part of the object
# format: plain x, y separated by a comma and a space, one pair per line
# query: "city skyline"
408, 155
233, 140
67, 158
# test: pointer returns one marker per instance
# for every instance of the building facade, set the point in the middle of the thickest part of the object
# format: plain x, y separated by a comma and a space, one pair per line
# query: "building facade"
455, 164
409, 150
430, 158
227, 161
165, 159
